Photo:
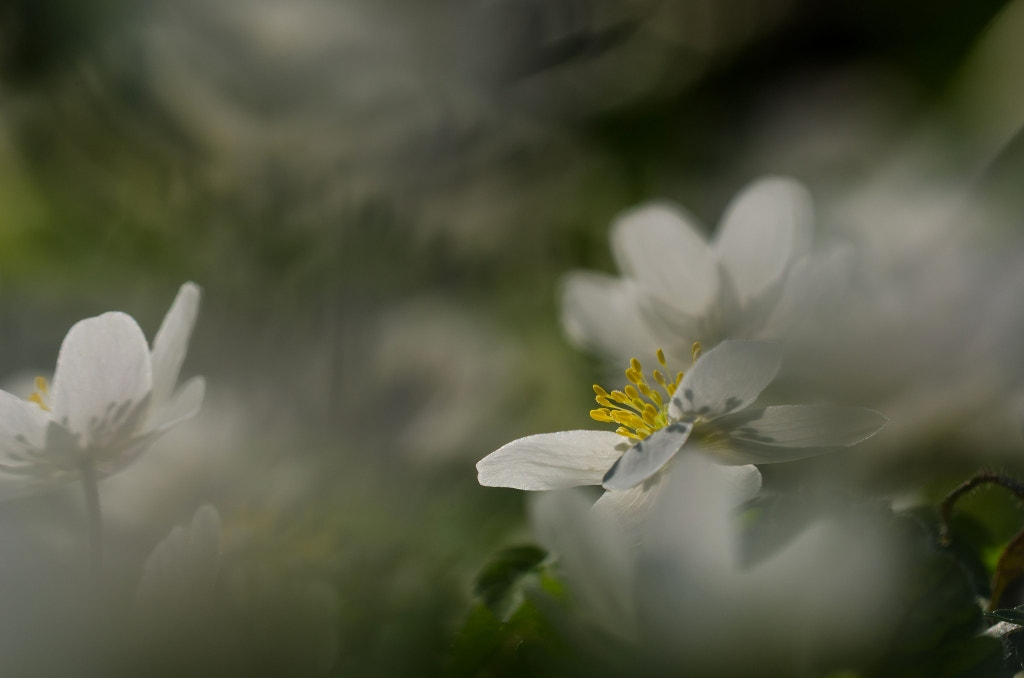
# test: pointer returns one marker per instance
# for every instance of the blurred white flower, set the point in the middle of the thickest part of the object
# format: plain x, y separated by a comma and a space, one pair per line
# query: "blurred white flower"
182, 570
705, 412
684, 593
111, 397
753, 281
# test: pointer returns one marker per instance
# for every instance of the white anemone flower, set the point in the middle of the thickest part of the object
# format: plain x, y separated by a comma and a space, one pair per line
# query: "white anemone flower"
705, 411
111, 397
182, 569
757, 279
686, 594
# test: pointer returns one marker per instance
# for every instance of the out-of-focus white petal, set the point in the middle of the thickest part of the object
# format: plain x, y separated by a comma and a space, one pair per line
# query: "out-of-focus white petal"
726, 379
184, 405
551, 461
103, 378
595, 554
788, 432
812, 283
171, 342
657, 245
742, 483
764, 228
182, 568
603, 314
22, 427
647, 457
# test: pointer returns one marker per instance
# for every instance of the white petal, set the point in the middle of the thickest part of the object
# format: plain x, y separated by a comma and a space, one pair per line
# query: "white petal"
764, 228
787, 432
23, 427
647, 457
551, 461
184, 405
602, 314
595, 553
183, 567
726, 379
657, 245
742, 483
629, 507
812, 283
21, 423
103, 378
171, 341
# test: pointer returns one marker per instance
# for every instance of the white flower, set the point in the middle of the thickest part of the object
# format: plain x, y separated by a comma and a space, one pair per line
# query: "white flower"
685, 594
182, 569
705, 412
111, 397
753, 281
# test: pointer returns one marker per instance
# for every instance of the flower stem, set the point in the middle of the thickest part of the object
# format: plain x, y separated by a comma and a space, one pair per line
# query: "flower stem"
982, 478
93, 516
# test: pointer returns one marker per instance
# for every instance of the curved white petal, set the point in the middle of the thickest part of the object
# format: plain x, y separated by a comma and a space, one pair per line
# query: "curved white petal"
647, 457
742, 483
726, 379
103, 378
596, 554
184, 566
812, 283
629, 507
552, 461
766, 226
22, 434
171, 341
657, 245
21, 422
787, 432
604, 315
184, 405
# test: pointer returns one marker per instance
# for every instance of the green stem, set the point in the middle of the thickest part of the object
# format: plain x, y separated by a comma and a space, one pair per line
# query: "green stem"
93, 516
982, 478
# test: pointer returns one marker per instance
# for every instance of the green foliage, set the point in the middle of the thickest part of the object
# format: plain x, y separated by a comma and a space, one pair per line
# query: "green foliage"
507, 632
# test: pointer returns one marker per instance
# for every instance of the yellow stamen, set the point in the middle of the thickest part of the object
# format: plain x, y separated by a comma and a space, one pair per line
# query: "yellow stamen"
41, 395
696, 350
639, 409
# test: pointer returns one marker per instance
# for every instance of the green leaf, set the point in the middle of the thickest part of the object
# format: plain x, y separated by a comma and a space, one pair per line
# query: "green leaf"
501, 582
1014, 616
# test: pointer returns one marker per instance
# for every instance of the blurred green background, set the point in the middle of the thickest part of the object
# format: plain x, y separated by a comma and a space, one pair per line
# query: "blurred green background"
379, 199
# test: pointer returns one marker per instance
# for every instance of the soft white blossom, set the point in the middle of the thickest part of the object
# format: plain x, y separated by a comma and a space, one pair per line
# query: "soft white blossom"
707, 412
685, 594
754, 280
112, 396
182, 570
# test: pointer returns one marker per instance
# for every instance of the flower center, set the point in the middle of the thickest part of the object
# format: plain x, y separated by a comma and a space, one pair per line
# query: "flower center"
639, 409
41, 396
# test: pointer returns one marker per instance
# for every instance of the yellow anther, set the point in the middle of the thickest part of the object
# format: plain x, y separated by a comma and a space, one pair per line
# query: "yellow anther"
660, 378
626, 433
38, 400
696, 350
651, 415
41, 394
639, 409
